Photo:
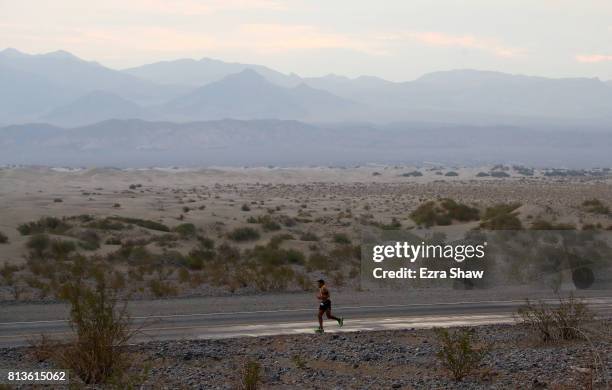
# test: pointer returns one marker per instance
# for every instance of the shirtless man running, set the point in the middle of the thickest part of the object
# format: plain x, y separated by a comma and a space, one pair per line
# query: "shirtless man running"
325, 306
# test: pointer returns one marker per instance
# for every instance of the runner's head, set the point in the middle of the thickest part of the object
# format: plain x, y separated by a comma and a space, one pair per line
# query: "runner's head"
321, 282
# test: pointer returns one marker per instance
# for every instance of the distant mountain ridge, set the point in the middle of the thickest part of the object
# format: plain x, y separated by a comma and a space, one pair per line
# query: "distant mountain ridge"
197, 73
61, 88
138, 143
248, 95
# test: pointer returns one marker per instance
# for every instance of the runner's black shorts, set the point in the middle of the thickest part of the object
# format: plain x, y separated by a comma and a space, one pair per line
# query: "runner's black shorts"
325, 305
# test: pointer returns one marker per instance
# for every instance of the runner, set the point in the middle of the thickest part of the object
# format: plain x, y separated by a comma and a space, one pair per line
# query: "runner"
325, 306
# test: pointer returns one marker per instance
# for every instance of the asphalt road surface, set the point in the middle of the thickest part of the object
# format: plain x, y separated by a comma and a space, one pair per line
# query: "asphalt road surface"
294, 321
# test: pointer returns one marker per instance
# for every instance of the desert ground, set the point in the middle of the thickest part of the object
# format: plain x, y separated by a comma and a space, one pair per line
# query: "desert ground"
178, 232
180, 241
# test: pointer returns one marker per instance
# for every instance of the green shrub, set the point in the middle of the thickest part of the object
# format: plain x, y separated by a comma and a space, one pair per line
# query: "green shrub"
89, 240
206, 243
38, 243
502, 217
545, 225
341, 238
144, 223
457, 353
294, 256
459, 211
451, 173
106, 224
243, 234
499, 174
412, 174
44, 225
309, 236
443, 213
186, 230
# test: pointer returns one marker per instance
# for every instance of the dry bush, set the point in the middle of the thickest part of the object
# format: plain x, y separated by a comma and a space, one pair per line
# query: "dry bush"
250, 375
554, 323
457, 352
97, 353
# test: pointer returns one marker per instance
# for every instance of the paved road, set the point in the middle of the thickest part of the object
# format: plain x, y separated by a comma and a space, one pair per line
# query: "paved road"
272, 322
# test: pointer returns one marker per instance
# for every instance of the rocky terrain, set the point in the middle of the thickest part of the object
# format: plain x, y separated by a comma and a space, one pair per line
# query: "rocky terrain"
401, 359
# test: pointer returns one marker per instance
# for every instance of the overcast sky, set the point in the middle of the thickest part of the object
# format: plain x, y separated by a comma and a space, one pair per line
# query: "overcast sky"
393, 39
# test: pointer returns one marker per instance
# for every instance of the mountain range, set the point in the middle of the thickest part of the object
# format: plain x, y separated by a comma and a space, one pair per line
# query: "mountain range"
60, 88
138, 143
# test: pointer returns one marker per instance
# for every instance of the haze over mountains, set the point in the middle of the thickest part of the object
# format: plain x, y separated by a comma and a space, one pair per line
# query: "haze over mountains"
57, 109
62, 89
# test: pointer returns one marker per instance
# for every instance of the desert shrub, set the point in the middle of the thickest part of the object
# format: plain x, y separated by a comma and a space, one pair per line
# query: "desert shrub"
393, 225
451, 174
245, 207
499, 174
524, 170
341, 238
44, 225
459, 211
309, 236
206, 243
183, 275
294, 256
144, 223
250, 375
270, 226
412, 174
540, 224
287, 220
443, 213
161, 288
279, 239
3, 238
97, 355
165, 240
186, 230
8, 270
502, 217
106, 224
457, 352
38, 243
60, 249
553, 323
317, 261
482, 174
113, 241
89, 240
243, 234
298, 361
595, 206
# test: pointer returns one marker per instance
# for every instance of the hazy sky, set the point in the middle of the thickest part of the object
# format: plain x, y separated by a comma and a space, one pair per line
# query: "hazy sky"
394, 39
